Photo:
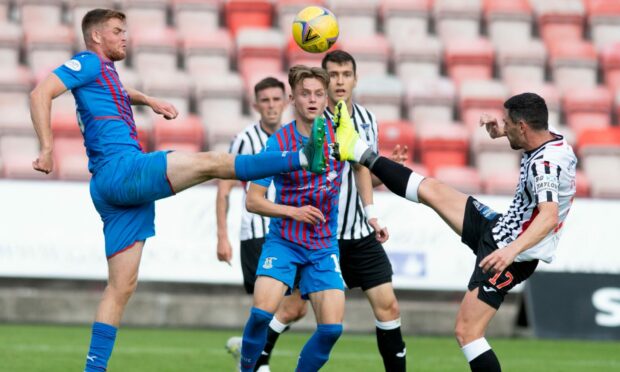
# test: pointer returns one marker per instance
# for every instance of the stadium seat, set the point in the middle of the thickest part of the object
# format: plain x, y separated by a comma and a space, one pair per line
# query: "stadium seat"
247, 13
371, 53
355, 17
154, 50
18, 153
599, 151
382, 95
70, 160
128, 76
604, 22
430, 100
492, 156
15, 86
470, 59
574, 64
260, 49
172, 86
188, 131
588, 108
465, 179
42, 13
442, 144
583, 185
601, 137
196, 17
503, 183
297, 56
286, 10
560, 20
65, 125
522, 61
220, 136
150, 14
477, 97
4, 13
209, 51
16, 121
77, 9
47, 47
252, 79
548, 92
396, 132
457, 19
419, 58
10, 41
610, 60
405, 20
219, 100
508, 21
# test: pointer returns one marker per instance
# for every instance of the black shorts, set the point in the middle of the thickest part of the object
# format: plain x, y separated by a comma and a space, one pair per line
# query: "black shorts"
478, 223
250, 254
364, 263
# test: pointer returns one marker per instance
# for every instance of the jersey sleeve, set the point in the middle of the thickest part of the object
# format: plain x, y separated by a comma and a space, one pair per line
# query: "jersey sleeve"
272, 145
374, 128
80, 70
545, 178
238, 145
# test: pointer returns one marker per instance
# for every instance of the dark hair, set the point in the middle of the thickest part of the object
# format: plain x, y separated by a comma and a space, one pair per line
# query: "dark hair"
529, 107
298, 73
340, 57
96, 17
268, 82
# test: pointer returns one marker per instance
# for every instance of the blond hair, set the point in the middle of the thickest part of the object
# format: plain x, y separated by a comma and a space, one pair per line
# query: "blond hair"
298, 73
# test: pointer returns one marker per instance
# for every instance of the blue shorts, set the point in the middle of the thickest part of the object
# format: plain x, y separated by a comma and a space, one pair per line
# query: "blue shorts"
319, 268
124, 191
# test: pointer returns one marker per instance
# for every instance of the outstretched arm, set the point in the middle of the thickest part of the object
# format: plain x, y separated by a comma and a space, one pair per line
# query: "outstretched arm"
167, 110
40, 112
256, 202
224, 249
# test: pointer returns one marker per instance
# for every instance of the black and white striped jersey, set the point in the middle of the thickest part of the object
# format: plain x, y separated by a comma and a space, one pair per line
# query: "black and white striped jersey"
547, 175
251, 141
352, 222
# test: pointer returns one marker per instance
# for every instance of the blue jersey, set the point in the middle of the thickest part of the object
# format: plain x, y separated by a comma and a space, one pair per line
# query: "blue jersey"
302, 188
103, 108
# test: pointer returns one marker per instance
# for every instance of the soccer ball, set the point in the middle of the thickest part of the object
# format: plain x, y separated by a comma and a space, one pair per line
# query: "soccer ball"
315, 29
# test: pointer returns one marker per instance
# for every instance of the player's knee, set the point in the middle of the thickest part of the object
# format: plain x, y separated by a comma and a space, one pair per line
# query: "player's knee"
122, 292
329, 333
300, 311
464, 333
387, 311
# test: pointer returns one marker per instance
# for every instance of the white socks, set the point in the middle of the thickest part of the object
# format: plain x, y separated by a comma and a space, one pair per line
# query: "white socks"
277, 326
413, 184
390, 324
473, 349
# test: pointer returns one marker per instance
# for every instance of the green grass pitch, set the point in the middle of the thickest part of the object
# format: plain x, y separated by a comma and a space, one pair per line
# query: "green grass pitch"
63, 348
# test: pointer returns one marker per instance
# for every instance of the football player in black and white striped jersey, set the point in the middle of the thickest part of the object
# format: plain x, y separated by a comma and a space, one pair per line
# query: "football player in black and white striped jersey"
507, 247
270, 102
363, 260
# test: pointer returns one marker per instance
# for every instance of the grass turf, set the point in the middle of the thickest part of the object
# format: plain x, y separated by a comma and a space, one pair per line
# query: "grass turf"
63, 348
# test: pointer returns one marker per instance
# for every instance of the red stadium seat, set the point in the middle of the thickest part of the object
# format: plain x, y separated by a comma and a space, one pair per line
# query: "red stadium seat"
188, 131
588, 108
465, 179
509, 21
260, 49
477, 97
398, 132
70, 160
430, 100
583, 185
196, 17
154, 50
18, 153
456, 19
604, 21
522, 62
405, 20
418, 59
501, 183
247, 13
469, 59
286, 11
355, 17
382, 95
65, 125
149, 13
47, 47
599, 137
371, 53
599, 151
209, 51
610, 61
561, 20
10, 40
574, 64
442, 144
40, 12
297, 56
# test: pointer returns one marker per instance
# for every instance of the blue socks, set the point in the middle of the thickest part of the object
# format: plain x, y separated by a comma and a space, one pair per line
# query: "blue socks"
265, 164
101, 344
316, 351
254, 338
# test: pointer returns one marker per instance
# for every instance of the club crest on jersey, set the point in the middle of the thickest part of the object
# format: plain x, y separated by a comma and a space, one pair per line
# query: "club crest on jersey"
73, 64
269, 263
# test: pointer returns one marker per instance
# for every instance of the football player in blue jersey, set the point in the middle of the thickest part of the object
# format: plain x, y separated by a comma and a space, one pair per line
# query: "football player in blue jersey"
126, 181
